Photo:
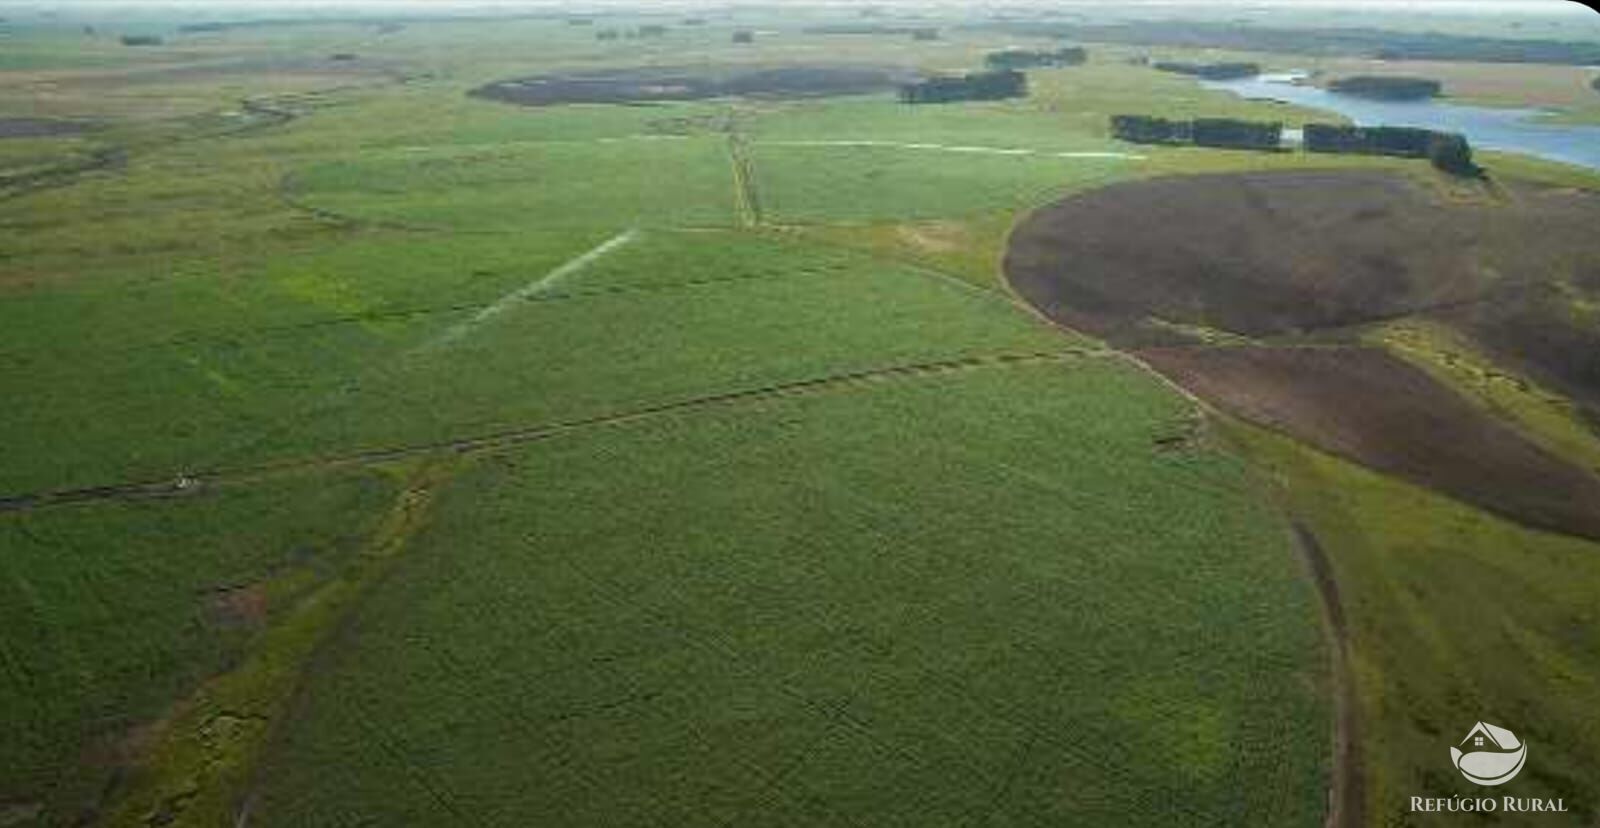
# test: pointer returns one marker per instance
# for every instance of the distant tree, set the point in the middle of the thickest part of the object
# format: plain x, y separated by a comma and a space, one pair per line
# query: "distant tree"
1451, 153
1148, 129
1236, 134
651, 30
744, 36
1595, 83
1210, 71
980, 86
1387, 87
1027, 59
580, 21
1447, 151
140, 40
924, 34
606, 34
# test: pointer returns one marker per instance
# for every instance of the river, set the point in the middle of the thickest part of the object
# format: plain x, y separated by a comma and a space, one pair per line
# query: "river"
1511, 130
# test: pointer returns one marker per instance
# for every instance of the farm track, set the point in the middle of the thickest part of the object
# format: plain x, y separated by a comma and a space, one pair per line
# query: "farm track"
746, 191
960, 149
198, 481
1347, 793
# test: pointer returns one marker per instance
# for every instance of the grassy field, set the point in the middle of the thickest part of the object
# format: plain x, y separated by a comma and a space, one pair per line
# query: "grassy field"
1454, 616
921, 620
679, 463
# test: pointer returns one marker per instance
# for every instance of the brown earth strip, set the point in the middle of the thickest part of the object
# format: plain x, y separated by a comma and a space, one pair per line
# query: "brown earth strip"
1368, 406
1347, 797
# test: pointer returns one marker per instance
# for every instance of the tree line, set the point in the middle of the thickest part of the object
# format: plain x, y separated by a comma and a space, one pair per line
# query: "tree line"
1387, 87
1229, 133
977, 86
1031, 58
1210, 71
1447, 151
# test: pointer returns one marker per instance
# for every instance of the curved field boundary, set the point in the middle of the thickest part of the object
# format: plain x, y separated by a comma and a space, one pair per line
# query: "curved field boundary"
192, 483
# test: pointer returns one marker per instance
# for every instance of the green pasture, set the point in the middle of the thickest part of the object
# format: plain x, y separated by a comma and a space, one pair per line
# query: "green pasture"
113, 612
880, 604
1455, 617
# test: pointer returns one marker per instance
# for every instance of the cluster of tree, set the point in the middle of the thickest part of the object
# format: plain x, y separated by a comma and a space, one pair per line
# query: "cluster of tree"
1148, 129
1448, 151
1029, 58
1595, 83
629, 34
979, 86
1237, 134
743, 36
1361, 42
1387, 87
1206, 132
1210, 71
140, 40
925, 33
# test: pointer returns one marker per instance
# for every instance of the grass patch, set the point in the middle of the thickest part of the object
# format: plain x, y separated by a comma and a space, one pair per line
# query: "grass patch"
111, 611
1545, 416
1455, 617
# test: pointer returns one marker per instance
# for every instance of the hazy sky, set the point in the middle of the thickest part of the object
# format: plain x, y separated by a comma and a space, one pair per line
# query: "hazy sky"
1518, 7
1413, 5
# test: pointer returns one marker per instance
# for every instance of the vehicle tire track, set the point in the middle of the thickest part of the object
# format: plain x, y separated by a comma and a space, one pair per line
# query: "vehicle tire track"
746, 193
191, 483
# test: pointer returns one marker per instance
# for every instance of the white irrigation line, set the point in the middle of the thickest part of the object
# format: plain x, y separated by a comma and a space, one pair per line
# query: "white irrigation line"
531, 289
954, 148
463, 149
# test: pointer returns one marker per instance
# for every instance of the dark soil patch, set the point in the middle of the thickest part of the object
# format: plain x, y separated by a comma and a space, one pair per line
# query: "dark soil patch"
1282, 254
41, 127
1368, 406
648, 84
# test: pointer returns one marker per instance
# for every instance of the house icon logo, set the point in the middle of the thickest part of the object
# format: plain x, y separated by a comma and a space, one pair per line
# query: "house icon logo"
1493, 755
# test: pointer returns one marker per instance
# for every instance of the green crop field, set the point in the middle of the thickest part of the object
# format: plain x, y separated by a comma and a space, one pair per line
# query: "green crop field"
379, 453
872, 601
